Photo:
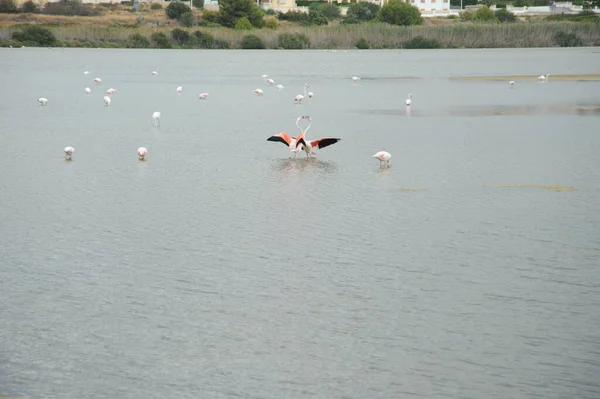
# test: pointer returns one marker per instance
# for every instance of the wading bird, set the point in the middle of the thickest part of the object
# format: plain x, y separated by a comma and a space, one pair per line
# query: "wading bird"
310, 146
384, 158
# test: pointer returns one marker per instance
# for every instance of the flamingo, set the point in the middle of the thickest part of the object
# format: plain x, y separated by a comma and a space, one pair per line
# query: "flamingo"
107, 101
267, 79
97, 80
543, 78
355, 78
298, 99
111, 91
289, 141
512, 84
156, 118
310, 94
258, 92
88, 90
409, 100
142, 153
265, 76
310, 146
203, 96
69, 152
179, 89
384, 158
43, 101
154, 73
86, 73
279, 87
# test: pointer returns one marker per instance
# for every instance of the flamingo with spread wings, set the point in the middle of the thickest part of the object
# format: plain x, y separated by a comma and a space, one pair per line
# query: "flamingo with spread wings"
310, 146
289, 141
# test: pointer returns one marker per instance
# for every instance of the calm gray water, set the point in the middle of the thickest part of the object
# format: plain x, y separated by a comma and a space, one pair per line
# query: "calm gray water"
221, 268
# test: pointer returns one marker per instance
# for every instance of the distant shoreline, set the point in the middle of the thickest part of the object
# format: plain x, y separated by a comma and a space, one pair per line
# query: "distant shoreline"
375, 36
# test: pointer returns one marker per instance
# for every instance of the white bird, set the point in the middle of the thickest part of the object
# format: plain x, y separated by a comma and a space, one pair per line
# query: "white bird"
86, 73
43, 101
111, 91
258, 92
271, 82
355, 78
179, 89
310, 94
107, 101
97, 80
543, 78
279, 87
512, 84
203, 96
155, 73
88, 90
298, 99
265, 76
409, 100
384, 158
69, 152
142, 153
156, 118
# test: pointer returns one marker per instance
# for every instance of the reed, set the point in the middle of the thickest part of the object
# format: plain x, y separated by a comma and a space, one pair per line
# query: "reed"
379, 36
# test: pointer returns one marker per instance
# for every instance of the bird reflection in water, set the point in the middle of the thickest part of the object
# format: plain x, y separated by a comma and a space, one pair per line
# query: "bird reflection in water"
290, 164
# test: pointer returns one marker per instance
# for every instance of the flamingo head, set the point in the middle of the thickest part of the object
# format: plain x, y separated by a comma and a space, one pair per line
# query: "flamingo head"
308, 117
306, 85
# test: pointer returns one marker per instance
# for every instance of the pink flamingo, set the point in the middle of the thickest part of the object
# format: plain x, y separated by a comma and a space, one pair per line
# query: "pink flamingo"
310, 146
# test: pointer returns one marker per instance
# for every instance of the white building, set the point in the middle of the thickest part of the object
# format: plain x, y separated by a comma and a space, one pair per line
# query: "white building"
427, 6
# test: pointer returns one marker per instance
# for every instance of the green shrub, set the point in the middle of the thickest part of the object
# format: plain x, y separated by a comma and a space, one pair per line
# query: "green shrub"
420, 42
363, 44
362, 11
243, 24
187, 19
271, 23
294, 16
210, 16
329, 10
564, 39
180, 36
156, 6
252, 42
137, 41
293, 41
397, 12
350, 21
484, 14
232, 10
176, 9
521, 3
317, 18
270, 11
8, 6
160, 40
36, 35
466, 16
30, 7
198, 3
505, 16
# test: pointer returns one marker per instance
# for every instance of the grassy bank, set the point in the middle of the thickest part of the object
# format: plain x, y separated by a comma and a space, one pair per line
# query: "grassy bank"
377, 36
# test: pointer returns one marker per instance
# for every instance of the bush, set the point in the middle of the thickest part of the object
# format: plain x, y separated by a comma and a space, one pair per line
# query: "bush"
271, 24
160, 40
187, 19
583, 16
505, 16
363, 11
137, 41
396, 12
8, 6
484, 14
252, 42
180, 36
420, 42
210, 16
70, 8
293, 41
564, 39
30, 7
232, 10
521, 3
36, 35
156, 6
243, 24
294, 16
176, 9
350, 21
317, 18
363, 44
466, 16
270, 11
198, 3
329, 10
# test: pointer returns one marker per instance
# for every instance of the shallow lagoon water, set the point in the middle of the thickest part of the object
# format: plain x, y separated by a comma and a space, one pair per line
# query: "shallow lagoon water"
222, 268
